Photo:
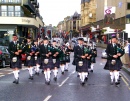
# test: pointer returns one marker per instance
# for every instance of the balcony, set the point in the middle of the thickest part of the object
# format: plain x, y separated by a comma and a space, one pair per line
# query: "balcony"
34, 2
2, 2
27, 4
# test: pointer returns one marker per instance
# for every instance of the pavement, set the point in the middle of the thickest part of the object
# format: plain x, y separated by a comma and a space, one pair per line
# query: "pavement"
126, 68
67, 87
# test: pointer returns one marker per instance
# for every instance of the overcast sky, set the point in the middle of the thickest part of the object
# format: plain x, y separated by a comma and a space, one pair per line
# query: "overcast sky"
54, 11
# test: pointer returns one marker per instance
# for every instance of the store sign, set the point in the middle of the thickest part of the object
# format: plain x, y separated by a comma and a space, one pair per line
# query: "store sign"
109, 10
26, 20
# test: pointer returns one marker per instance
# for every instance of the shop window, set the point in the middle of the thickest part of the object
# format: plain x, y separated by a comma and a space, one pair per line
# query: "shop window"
128, 6
17, 8
11, 0
3, 13
10, 8
10, 13
18, 14
3, 8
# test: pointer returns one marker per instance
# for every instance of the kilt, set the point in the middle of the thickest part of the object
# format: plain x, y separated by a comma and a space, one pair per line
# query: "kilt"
89, 63
67, 58
37, 61
83, 68
93, 59
63, 60
57, 64
17, 64
48, 65
117, 66
30, 62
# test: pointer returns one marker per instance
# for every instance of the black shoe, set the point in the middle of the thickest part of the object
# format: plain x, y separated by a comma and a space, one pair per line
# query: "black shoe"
31, 78
117, 83
66, 70
91, 71
17, 82
14, 81
48, 82
86, 79
112, 83
82, 83
62, 73
77, 75
55, 78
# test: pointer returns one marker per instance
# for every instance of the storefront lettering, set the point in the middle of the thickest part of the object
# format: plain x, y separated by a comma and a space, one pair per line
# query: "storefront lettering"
26, 20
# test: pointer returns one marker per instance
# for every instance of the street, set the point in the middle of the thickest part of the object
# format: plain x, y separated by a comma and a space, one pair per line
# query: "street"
67, 87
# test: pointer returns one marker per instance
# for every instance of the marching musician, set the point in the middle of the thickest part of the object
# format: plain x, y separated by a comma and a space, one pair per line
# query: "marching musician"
55, 59
80, 59
68, 50
114, 64
15, 50
37, 57
46, 59
30, 54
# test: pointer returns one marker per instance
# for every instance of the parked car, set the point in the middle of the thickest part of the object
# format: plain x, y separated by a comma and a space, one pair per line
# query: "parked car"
104, 54
4, 56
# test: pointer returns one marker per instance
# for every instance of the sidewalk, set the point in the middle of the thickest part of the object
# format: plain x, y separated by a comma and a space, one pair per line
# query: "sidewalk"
126, 69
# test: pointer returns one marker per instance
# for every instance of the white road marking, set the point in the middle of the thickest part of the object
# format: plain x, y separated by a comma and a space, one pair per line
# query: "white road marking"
10, 73
2, 75
47, 98
63, 82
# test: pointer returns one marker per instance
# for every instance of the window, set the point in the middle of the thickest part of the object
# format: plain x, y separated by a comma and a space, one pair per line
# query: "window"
3, 13
10, 13
10, 8
18, 14
11, 0
128, 6
17, 8
3, 8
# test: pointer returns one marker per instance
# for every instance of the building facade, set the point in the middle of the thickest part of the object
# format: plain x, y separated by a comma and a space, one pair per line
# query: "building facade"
70, 23
21, 17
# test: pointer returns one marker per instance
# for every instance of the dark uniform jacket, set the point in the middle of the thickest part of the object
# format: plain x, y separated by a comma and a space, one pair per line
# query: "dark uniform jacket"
14, 48
44, 50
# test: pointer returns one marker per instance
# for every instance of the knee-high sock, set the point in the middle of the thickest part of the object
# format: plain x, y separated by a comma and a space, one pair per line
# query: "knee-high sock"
62, 68
116, 76
16, 74
82, 77
55, 72
45, 73
37, 68
86, 74
112, 76
31, 71
48, 75
66, 66
92, 66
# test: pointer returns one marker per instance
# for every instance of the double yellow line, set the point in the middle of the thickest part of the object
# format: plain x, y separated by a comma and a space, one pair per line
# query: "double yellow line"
126, 80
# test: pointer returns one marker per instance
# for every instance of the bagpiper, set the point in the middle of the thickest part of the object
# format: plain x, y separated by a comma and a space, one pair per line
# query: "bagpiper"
93, 55
15, 50
29, 50
62, 59
55, 59
114, 64
80, 59
37, 57
68, 50
46, 59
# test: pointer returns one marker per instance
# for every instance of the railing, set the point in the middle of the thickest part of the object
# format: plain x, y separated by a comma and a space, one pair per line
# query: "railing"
10, 1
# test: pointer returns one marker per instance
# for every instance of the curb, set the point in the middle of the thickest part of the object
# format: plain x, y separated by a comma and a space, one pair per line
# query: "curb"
127, 70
